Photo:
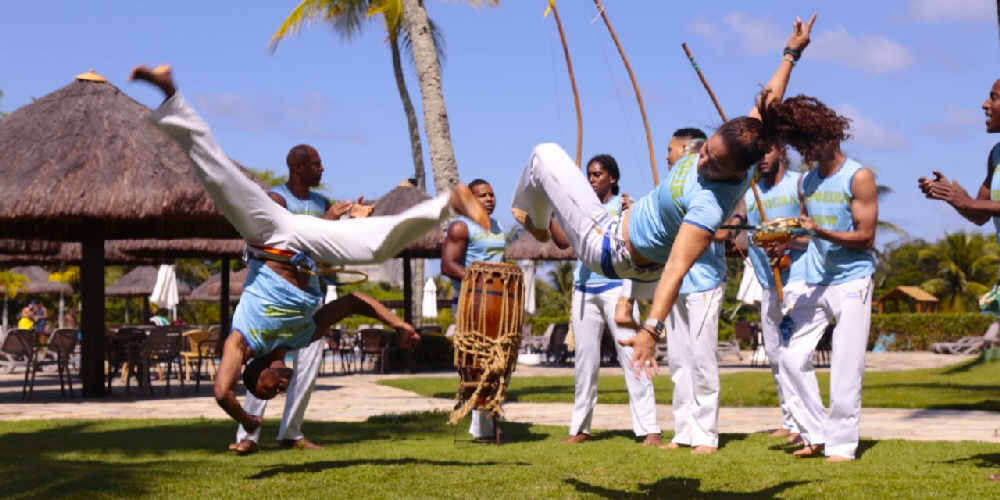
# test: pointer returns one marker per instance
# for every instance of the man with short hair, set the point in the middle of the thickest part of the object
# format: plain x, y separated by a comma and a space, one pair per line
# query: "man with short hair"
779, 194
467, 242
986, 205
684, 141
277, 311
305, 171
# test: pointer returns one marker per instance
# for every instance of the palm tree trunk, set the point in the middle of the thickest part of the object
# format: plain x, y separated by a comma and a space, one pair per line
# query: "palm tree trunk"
416, 148
435, 114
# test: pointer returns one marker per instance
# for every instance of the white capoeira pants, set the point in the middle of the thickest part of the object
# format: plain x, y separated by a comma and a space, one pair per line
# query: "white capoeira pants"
552, 184
850, 304
692, 342
482, 425
590, 313
261, 221
771, 312
306, 363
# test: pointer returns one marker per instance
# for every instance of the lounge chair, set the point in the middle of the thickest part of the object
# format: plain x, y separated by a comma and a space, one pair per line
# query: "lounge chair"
970, 344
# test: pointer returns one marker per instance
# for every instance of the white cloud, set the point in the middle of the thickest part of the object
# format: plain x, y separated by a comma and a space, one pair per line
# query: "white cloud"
872, 54
933, 11
865, 132
956, 123
267, 113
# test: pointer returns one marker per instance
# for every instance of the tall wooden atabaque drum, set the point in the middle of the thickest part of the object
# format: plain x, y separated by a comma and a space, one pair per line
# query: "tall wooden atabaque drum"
487, 335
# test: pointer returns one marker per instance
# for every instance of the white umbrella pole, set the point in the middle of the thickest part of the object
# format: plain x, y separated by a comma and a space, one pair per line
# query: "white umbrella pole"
62, 308
5, 312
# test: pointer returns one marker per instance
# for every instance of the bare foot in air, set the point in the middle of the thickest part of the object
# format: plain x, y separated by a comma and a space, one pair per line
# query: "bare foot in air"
809, 450
704, 450
465, 203
524, 219
159, 76
673, 446
579, 438
651, 440
780, 433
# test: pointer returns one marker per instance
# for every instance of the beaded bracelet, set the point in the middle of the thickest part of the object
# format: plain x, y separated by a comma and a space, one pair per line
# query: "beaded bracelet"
789, 58
794, 53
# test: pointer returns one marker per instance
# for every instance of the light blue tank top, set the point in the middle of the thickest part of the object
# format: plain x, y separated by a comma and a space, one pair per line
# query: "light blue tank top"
315, 206
274, 313
582, 275
828, 203
708, 272
488, 246
780, 200
684, 196
995, 184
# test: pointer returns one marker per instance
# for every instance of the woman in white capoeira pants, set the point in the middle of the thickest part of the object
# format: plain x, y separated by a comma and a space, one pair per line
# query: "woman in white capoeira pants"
663, 233
279, 310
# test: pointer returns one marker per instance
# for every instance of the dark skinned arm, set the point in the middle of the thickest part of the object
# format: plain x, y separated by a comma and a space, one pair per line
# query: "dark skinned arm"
978, 210
228, 374
864, 211
453, 250
558, 235
690, 243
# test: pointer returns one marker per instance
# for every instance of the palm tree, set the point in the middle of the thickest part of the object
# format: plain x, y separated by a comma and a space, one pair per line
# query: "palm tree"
966, 266
424, 51
13, 284
68, 275
346, 17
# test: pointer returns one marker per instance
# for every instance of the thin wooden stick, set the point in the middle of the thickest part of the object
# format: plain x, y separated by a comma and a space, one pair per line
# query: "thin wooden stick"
635, 86
572, 82
753, 185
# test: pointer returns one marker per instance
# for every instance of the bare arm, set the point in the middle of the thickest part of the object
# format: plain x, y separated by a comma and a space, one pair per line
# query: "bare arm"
453, 250
278, 199
864, 210
691, 242
233, 357
978, 210
798, 41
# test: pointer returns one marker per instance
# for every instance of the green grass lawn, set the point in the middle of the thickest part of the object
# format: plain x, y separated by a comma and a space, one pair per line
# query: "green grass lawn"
973, 385
414, 456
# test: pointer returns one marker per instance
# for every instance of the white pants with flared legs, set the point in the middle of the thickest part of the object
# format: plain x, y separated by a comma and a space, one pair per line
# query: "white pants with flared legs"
692, 342
850, 304
306, 363
770, 318
590, 313
263, 222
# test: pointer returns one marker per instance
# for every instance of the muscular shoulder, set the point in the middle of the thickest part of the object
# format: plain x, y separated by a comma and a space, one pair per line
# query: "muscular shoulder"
280, 200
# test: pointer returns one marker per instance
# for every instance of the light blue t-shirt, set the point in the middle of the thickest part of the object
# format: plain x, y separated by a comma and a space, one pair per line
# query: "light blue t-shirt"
995, 184
683, 196
582, 275
708, 272
487, 246
780, 200
828, 203
315, 205
274, 313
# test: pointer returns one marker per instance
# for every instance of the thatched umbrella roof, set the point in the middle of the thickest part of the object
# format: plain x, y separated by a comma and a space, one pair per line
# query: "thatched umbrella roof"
527, 247
38, 281
72, 253
179, 249
31, 247
87, 152
395, 202
209, 290
140, 282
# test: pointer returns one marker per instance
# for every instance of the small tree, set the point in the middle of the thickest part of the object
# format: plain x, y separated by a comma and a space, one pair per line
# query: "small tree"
13, 284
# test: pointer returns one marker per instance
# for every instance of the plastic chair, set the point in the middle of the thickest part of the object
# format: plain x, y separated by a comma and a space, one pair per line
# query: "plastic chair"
59, 350
373, 344
123, 355
17, 348
164, 345
191, 356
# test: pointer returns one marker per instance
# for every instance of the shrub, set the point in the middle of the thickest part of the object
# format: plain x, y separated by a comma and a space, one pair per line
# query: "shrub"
916, 332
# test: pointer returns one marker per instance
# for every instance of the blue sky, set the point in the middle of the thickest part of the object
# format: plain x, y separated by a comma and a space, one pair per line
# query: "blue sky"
911, 73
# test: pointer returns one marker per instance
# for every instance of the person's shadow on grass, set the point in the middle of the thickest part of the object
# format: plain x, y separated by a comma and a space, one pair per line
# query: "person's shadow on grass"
680, 487
325, 465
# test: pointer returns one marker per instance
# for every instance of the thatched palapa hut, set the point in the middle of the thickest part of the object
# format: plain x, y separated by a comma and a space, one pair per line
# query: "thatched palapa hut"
83, 164
527, 247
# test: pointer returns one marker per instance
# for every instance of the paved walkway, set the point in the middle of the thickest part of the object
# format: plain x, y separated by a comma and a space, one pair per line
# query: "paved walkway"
354, 398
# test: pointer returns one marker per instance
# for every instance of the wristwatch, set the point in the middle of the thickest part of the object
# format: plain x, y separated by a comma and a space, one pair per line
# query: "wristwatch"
655, 327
